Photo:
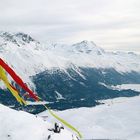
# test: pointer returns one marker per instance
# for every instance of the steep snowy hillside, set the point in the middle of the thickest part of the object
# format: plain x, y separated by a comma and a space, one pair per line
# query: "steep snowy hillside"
68, 75
18, 125
114, 120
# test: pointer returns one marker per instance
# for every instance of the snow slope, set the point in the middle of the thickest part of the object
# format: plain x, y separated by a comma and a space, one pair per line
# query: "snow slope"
114, 120
19, 125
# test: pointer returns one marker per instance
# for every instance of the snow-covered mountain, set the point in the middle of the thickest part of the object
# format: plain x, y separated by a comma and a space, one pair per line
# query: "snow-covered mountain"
19, 48
15, 125
75, 75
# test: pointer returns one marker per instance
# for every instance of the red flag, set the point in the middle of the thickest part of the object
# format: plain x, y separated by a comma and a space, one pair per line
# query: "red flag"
18, 80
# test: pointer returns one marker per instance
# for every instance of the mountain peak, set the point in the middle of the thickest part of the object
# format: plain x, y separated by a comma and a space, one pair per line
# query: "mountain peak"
17, 38
25, 37
87, 47
86, 42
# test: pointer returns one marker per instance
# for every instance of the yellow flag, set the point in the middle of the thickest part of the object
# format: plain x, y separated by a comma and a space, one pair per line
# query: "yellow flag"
63, 121
12, 90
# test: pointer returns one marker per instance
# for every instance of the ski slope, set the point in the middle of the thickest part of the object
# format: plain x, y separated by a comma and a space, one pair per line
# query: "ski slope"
19, 125
113, 120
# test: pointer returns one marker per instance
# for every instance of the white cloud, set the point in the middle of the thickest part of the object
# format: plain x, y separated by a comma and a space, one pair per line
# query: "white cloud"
113, 24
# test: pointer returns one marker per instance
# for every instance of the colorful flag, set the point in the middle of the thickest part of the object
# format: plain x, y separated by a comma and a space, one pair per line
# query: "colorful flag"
10, 87
18, 80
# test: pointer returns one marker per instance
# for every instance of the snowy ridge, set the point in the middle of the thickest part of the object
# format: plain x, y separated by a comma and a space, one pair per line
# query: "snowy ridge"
16, 38
29, 57
18, 125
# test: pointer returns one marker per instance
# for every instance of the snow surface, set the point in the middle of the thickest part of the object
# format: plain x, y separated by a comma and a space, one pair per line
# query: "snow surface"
19, 125
114, 120
135, 87
29, 57
59, 96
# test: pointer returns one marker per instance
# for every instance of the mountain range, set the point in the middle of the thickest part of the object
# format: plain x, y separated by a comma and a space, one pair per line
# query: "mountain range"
67, 76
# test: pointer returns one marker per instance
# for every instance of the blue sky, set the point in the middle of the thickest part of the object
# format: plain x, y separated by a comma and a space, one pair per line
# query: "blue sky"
111, 24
